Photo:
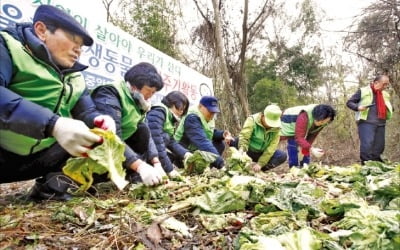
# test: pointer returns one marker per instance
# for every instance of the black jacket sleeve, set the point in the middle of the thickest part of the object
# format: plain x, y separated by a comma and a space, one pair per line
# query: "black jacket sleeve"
155, 119
85, 109
175, 147
352, 103
107, 101
152, 150
23, 116
16, 113
6, 65
197, 136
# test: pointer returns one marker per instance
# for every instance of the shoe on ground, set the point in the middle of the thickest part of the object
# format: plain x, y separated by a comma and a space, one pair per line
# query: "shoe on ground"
40, 192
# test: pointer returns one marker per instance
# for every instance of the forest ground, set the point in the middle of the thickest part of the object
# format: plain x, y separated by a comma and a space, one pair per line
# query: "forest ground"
31, 224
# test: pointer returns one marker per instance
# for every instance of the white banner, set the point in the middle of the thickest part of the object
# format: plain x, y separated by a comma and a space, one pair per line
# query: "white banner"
114, 51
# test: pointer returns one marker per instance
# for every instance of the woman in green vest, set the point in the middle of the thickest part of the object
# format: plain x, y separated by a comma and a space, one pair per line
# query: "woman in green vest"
127, 103
300, 126
259, 138
373, 107
162, 120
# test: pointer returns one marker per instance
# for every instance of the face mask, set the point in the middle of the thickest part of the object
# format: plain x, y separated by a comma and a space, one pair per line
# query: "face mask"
145, 105
177, 118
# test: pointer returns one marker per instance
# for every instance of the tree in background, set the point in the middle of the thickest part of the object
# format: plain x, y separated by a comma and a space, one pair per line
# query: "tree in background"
377, 39
227, 32
265, 87
294, 51
261, 38
150, 21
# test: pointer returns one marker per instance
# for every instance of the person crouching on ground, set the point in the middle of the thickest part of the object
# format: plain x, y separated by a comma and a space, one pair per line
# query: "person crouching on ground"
162, 120
259, 138
127, 102
45, 108
196, 131
300, 126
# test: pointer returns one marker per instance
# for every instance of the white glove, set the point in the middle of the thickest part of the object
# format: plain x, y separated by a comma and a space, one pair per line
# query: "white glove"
150, 176
174, 174
187, 156
74, 136
317, 152
105, 122
159, 169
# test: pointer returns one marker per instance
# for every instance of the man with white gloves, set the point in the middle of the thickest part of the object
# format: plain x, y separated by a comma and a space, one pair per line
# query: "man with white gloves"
45, 108
126, 101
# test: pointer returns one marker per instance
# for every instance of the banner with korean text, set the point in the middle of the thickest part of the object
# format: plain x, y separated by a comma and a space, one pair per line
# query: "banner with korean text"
114, 51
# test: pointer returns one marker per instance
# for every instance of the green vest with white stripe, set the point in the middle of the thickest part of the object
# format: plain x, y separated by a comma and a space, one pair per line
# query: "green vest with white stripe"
288, 128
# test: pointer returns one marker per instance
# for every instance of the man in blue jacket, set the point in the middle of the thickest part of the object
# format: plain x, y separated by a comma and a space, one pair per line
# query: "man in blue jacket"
45, 107
197, 131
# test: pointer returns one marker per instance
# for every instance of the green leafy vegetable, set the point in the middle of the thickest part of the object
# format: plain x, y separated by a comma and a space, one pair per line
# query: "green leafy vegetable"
198, 162
107, 157
219, 202
238, 161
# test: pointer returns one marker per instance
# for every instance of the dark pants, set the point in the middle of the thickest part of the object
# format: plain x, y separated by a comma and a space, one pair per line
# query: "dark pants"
372, 141
293, 154
15, 167
139, 141
277, 158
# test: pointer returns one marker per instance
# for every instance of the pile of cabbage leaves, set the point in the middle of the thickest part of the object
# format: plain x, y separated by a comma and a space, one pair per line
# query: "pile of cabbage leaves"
316, 207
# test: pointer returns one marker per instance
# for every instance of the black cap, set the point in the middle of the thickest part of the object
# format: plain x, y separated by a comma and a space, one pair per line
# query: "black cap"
54, 16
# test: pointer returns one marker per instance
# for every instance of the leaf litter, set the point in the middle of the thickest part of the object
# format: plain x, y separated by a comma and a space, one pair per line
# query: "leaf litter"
316, 207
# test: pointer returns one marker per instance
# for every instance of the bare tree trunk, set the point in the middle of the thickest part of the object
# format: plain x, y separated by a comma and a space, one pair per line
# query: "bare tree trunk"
241, 85
107, 5
223, 66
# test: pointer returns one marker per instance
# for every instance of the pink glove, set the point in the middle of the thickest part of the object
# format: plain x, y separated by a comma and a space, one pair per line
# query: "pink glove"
105, 122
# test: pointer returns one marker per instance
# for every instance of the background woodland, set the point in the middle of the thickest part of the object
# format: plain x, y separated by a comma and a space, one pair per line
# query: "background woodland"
262, 53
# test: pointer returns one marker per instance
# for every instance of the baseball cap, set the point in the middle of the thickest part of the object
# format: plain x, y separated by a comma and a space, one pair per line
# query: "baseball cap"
54, 16
272, 116
211, 103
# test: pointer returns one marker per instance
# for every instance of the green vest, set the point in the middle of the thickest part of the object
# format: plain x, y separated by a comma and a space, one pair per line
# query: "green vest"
367, 98
37, 82
260, 138
288, 128
131, 114
208, 127
168, 126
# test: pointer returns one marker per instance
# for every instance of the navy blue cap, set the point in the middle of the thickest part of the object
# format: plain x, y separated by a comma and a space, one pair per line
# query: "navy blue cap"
54, 16
211, 103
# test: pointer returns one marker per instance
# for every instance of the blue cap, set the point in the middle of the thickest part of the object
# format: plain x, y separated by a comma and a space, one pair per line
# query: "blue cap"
211, 103
54, 16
